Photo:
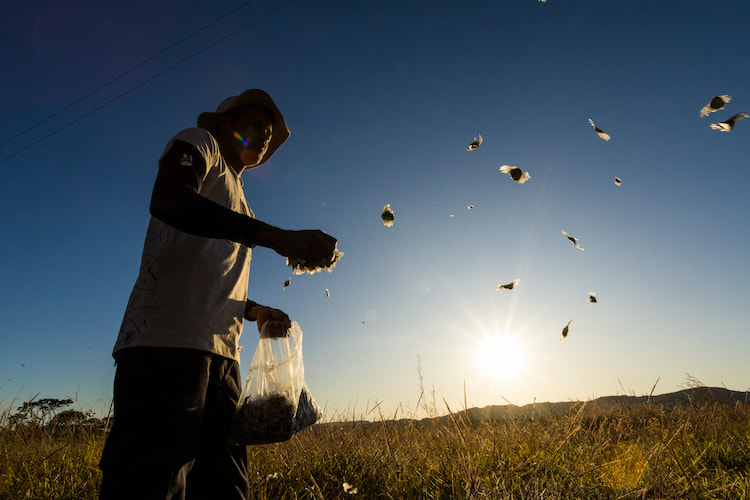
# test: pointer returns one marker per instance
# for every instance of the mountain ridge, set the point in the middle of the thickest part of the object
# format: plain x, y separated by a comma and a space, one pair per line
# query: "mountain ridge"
686, 397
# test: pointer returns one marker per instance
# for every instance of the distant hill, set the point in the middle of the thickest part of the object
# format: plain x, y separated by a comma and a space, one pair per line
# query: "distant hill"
686, 397
695, 395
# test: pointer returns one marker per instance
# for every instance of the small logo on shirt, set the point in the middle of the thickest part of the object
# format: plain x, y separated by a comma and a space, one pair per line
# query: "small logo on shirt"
186, 160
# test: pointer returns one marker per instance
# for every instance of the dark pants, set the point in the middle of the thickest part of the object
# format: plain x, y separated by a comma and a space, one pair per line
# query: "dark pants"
172, 413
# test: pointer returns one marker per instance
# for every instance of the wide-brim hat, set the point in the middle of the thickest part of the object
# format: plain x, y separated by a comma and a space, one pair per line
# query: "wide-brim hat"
208, 120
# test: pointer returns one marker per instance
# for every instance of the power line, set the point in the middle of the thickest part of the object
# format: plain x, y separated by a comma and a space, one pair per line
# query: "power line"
105, 85
144, 82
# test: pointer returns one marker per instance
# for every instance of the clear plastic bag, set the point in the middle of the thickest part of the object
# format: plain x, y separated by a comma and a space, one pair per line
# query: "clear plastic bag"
308, 411
275, 403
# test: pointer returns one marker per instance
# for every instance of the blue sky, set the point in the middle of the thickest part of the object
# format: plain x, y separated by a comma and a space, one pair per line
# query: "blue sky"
382, 99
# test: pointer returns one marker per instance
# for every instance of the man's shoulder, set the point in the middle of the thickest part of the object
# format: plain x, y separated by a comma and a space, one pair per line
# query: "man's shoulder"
198, 137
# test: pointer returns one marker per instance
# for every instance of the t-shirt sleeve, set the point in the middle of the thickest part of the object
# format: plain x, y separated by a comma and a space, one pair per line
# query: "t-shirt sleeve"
203, 142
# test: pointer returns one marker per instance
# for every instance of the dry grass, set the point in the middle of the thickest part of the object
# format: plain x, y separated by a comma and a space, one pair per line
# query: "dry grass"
48, 462
641, 451
638, 452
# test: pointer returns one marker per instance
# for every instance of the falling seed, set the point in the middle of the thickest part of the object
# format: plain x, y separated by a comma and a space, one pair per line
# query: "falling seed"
565, 330
618, 181
599, 131
729, 124
328, 294
470, 207
572, 239
515, 173
475, 143
592, 298
387, 216
509, 286
287, 283
717, 102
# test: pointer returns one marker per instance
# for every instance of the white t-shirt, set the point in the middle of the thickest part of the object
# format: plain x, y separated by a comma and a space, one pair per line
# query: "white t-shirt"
191, 291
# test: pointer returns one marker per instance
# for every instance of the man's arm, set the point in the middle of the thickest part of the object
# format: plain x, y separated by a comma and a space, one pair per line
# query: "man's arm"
177, 202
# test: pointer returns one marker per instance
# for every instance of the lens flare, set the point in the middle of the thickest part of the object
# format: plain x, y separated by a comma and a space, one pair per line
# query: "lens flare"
241, 139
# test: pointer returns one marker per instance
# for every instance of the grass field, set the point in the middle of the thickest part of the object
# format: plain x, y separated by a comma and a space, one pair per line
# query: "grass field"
694, 451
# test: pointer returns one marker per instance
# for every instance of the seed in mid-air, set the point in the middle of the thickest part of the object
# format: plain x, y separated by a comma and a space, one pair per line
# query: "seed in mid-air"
573, 239
565, 330
509, 286
717, 102
387, 216
729, 124
599, 131
515, 173
475, 143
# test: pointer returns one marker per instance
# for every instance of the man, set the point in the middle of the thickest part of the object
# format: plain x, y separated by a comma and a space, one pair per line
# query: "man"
177, 380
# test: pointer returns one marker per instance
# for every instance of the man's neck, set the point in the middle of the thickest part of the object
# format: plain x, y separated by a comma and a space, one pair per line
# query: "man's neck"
230, 154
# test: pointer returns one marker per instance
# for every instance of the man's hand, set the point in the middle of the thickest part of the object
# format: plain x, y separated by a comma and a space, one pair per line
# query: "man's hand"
313, 246
261, 314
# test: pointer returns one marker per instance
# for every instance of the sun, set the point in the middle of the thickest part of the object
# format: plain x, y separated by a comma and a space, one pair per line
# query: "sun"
500, 356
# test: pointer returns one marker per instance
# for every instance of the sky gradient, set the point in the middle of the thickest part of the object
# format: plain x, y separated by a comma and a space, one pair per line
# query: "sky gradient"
382, 99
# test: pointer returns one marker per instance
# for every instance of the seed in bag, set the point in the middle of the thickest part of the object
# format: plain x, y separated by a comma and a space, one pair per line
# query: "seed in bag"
265, 419
308, 411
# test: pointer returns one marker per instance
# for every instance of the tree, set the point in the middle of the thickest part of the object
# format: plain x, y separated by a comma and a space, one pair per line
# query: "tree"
38, 412
69, 418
